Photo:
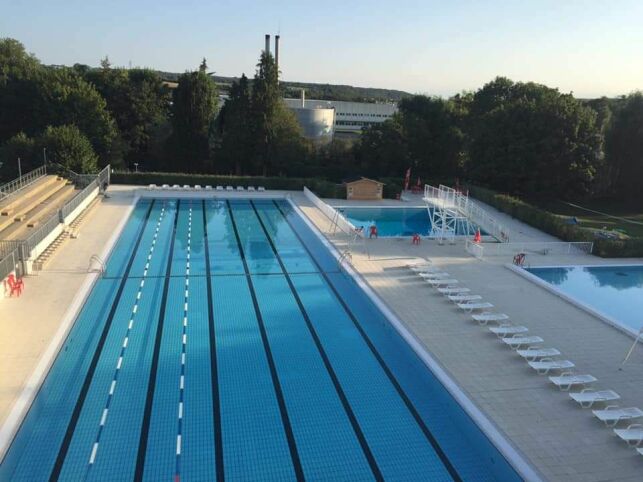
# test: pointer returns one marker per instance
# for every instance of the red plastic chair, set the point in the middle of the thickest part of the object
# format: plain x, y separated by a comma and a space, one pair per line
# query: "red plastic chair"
15, 285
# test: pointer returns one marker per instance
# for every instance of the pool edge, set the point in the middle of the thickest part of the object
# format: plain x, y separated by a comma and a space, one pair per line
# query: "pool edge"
501, 442
614, 323
21, 406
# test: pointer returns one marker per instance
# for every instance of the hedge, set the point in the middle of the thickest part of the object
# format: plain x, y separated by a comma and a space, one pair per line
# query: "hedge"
320, 187
556, 225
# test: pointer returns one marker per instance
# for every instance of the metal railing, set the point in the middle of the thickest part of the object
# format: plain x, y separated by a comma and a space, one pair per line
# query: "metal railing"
10, 262
74, 202
448, 199
532, 247
12, 187
16, 253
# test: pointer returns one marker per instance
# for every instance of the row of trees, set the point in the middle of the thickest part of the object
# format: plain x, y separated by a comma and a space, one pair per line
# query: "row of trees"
522, 138
130, 116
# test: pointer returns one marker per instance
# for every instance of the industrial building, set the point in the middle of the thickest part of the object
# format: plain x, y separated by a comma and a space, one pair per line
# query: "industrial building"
350, 117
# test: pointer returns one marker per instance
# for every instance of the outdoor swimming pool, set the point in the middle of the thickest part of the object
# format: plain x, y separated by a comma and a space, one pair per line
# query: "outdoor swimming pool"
393, 221
224, 342
614, 291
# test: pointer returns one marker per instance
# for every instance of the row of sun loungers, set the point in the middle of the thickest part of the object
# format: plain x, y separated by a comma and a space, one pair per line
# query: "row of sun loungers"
198, 187
542, 360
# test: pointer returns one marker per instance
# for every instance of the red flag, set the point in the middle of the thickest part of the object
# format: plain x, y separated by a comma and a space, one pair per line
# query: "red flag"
407, 179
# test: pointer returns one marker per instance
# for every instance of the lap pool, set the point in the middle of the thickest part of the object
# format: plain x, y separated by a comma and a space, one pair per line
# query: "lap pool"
613, 291
223, 342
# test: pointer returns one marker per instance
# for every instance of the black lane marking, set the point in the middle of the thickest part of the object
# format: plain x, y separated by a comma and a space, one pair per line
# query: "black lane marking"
299, 472
216, 404
338, 388
62, 452
407, 401
142, 444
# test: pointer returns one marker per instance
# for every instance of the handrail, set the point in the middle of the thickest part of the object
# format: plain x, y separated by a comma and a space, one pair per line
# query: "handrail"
10, 188
101, 264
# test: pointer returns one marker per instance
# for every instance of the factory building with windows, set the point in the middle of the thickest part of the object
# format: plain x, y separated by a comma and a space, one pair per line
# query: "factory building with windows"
349, 117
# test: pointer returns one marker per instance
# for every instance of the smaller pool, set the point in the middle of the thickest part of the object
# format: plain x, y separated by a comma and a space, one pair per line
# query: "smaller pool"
614, 291
393, 222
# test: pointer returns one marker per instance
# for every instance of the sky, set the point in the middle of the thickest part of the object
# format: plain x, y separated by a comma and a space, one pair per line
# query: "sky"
589, 47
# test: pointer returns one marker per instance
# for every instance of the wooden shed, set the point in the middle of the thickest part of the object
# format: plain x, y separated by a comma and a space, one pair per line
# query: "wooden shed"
364, 189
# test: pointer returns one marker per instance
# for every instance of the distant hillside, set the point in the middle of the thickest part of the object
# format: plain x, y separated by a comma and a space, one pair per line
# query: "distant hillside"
317, 91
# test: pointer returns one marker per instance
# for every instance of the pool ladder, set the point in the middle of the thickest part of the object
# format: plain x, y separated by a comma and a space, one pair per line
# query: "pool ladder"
99, 261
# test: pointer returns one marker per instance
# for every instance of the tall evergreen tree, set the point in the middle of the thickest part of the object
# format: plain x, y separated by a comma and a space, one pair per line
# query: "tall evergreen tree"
234, 122
193, 113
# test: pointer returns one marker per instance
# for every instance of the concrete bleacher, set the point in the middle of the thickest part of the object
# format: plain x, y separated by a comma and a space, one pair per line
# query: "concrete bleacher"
26, 210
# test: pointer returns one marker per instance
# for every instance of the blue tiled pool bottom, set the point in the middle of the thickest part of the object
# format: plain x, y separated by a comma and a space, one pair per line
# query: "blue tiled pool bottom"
224, 342
395, 222
616, 291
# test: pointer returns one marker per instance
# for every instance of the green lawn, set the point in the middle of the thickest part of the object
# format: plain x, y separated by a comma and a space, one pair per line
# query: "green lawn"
630, 222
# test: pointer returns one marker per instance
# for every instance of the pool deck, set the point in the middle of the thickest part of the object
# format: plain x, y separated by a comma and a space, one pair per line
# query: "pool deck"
558, 438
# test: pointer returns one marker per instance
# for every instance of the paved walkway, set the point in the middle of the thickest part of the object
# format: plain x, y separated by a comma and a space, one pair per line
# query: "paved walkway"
30, 322
561, 440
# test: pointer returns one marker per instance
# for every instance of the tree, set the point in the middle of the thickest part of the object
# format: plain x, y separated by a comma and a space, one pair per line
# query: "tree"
139, 103
67, 146
383, 150
432, 130
193, 114
625, 146
265, 107
234, 119
530, 139
18, 147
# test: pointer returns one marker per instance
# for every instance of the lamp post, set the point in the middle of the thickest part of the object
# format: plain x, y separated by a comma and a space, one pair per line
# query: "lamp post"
44, 155
19, 171
136, 167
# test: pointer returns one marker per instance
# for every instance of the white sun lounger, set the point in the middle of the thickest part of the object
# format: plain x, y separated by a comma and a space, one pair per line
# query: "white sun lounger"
436, 275
613, 414
471, 307
640, 451
633, 434
533, 353
197, 186
186, 186
240, 188
208, 188
544, 366
251, 188
166, 186
487, 316
503, 331
424, 268
464, 298
516, 341
566, 380
152, 186
453, 290
176, 186
229, 188
219, 188
261, 188
589, 397
442, 282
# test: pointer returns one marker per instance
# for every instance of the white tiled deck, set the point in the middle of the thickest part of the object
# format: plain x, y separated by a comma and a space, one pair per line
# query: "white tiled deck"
561, 440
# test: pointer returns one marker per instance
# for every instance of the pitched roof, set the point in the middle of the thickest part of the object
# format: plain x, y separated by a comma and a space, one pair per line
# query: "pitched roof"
358, 179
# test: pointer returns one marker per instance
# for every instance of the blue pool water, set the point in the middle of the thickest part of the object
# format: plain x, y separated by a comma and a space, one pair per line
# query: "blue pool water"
616, 291
223, 342
393, 222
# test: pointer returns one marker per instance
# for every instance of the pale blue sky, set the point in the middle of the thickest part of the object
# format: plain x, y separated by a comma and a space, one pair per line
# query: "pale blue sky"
590, 47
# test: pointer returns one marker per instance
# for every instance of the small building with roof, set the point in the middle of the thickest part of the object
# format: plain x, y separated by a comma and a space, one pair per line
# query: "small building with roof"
364, 189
